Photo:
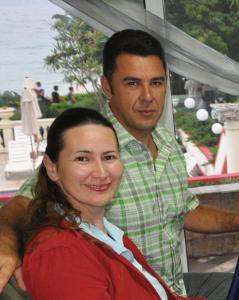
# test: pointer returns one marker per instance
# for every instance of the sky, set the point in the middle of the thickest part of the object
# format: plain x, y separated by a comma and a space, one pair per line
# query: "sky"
26, 38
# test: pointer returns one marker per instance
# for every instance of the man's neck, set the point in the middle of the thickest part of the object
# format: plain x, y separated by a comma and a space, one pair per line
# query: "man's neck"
147, 140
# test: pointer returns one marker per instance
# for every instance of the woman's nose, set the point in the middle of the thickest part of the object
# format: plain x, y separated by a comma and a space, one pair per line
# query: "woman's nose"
100, 170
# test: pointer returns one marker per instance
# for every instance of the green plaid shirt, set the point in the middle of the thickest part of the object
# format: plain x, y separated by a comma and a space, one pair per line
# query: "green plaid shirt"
152, 200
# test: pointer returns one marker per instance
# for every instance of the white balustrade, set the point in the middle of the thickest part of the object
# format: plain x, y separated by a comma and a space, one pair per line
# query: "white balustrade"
8, 134
228, 113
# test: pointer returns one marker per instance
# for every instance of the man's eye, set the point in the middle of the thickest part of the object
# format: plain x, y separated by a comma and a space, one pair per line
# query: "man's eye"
132, 83
82, 158
157, 83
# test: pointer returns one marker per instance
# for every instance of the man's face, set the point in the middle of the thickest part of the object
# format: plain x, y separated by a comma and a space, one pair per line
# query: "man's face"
136, 92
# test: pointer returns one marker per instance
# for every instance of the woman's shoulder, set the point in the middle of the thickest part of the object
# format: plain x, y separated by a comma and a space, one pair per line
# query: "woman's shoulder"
62, 247
51, 238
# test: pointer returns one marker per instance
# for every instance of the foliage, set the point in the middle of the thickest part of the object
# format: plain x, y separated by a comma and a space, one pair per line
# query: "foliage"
235, 3
83, 100
216, 182
200, 132
77, 53
48, 109
213, 22
10, 98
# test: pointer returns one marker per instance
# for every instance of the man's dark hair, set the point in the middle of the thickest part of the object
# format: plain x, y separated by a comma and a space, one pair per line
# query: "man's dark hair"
136, 42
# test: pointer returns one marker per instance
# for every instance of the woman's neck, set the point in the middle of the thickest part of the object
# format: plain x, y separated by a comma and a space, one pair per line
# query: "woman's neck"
97, 220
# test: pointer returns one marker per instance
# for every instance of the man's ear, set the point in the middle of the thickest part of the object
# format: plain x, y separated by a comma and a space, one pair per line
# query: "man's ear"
51, 168
106, 87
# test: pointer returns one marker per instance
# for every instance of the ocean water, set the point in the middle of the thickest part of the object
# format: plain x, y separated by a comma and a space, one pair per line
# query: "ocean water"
26, 38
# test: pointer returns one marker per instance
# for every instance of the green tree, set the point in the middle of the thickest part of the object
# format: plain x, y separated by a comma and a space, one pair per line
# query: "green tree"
213, 22
235, 3
77, 53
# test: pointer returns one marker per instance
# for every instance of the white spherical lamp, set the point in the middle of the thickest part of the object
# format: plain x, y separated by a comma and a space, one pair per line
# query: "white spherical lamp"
202, 114
189, 103
217, 128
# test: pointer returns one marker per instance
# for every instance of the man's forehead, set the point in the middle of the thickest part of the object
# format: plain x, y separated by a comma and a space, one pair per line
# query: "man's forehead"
134, 65
134, 57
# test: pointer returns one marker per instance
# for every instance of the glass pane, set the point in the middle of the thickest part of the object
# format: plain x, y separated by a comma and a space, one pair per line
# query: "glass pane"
209, 137
213, 23
140, 2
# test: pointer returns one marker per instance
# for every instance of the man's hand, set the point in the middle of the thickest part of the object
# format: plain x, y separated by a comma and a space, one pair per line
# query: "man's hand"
11, 219
9, 261
205, 219
19, 278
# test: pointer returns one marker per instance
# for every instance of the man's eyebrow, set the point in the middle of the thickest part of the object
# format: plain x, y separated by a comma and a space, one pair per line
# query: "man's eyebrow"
161, 78
128, 78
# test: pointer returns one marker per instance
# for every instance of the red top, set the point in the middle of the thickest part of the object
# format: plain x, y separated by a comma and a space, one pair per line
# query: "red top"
64, 265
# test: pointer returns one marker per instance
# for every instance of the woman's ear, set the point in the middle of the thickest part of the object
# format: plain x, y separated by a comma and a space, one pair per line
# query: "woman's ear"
51, 168
106, 87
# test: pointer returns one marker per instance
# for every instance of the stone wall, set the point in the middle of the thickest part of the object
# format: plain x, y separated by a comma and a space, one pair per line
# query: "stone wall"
219, 196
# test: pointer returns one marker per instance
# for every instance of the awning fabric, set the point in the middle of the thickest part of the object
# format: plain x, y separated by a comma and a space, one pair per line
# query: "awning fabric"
185, 55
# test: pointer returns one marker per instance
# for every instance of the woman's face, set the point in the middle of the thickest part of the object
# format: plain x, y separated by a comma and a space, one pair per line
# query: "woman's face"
88, 169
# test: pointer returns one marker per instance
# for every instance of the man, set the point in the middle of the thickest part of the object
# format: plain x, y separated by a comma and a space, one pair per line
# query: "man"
55, 97
70, 96
153, 203
40, 92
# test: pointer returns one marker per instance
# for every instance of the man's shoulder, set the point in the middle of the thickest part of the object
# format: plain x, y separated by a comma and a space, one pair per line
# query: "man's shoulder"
27, 187
162, 132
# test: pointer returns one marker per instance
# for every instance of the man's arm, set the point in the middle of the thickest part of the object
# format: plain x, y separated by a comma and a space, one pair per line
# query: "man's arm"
11, 220
205, 219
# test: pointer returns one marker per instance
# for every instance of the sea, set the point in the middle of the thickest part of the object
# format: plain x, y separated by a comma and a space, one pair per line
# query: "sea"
26, 38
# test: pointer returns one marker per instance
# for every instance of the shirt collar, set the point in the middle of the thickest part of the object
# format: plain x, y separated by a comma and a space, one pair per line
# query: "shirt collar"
124, 136
113, 238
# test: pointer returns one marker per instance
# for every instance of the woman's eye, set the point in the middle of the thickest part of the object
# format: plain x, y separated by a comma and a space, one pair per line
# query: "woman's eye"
110, 157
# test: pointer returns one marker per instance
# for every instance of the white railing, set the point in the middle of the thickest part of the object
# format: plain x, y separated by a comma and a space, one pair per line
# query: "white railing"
7, 132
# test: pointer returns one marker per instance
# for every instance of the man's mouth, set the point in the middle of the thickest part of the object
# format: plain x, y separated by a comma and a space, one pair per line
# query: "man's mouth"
146, 112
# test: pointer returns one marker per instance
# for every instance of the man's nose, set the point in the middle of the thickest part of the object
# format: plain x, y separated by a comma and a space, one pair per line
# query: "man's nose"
146, 93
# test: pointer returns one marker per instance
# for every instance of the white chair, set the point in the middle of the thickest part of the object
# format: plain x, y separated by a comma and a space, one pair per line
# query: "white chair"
41, 147
20, 136
19, 158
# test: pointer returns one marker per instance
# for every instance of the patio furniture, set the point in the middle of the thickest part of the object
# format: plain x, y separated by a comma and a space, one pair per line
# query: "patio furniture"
19, 158
38, 147
19, 135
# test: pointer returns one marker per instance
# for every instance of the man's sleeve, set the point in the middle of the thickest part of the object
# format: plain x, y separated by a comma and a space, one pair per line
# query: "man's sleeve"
28, 185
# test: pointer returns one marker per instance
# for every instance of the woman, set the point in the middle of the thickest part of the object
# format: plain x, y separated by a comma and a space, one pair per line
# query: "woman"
72, 251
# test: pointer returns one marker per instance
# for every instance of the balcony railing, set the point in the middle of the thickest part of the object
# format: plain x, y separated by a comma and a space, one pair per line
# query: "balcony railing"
7, 131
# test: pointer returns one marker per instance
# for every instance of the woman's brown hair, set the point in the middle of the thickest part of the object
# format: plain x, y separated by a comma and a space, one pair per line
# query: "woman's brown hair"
50, 206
